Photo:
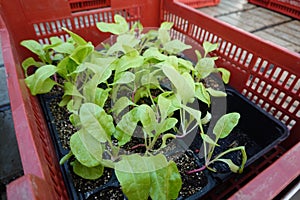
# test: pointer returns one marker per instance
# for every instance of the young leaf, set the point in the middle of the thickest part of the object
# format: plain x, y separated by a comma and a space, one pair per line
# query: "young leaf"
126, 126
205, 67
209, 47
40, 82
120, 26
36, 48
208, 140
91, 173
225, 74
134, 176
166, 182
167, 104
81, 53
124, 78
66, 48
166, 25
166, 125
184, 84
96, 122
232, 166
147, 117
86, 148
175, 46
101, 96
30, 62
202, 94
225, 124
143, 176
216, 93
71, 90
121, 104
154, 53
76, 38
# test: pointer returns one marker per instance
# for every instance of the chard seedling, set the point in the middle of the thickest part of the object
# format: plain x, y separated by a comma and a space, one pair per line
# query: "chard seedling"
131, 87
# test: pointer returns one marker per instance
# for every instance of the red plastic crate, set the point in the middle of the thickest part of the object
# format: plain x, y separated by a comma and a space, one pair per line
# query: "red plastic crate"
264, 72
81, 5
200, 3
287, 7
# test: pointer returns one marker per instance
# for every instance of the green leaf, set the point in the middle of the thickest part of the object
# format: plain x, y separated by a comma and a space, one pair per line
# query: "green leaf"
123, 42
101, 96
65, 100
202, 94
166, 182
71, 90
232, 166
184, 84
216, 93
167, 104
196, 114
166, 125
76, 38
96, 122
75, 120
121, 104
66, 67
124, 78
40, 82
147, 117
30, 62
128, 62
143, 176
205, 67
164, 32
126, 126
81, 53
134, 177
36, 48
91, 173
175, 47
225, 74
65, 47
209, 47
208, 140
154, 53
120, 26
87, 150
225, 124
166, 25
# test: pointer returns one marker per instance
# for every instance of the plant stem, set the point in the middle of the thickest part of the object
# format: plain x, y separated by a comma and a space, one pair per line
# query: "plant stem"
197, 170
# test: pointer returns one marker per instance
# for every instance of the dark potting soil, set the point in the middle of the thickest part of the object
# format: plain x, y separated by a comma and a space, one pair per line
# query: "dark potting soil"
64, 128
111, 193
185, 162
236, 138
84, 185
191, 183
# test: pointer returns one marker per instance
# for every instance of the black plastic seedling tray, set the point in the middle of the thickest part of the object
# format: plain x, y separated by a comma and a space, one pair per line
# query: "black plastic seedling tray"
262, 132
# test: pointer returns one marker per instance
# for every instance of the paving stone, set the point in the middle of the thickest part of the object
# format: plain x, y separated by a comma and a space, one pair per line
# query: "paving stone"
1, 57
4, 99
9, 153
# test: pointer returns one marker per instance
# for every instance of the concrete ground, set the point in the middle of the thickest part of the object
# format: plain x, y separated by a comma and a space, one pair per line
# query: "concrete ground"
227, 10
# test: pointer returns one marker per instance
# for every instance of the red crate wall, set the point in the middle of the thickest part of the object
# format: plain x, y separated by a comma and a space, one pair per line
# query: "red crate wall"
81, 5
253, 64
200, 3
287, 7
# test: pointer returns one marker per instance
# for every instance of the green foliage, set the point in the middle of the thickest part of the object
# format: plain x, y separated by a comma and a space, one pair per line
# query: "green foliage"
134, 85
